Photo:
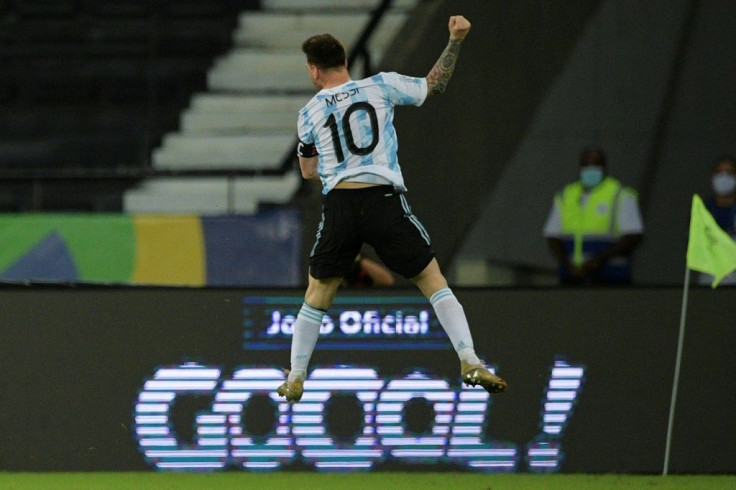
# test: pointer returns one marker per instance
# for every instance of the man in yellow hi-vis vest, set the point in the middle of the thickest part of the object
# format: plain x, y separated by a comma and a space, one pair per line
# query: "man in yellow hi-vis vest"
593, 226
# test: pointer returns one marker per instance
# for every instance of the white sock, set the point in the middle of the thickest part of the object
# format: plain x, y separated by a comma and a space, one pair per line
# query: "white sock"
452, 318
306, 333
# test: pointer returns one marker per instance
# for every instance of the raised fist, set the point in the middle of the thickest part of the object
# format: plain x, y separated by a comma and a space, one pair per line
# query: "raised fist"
459, 27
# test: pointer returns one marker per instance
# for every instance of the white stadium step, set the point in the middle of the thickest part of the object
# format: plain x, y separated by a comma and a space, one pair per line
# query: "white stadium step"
255, 29
243, 123
247, 119
210, 195
264, 61
183, 151
225, 103
269, 72
268, 189
249, 70
213, 113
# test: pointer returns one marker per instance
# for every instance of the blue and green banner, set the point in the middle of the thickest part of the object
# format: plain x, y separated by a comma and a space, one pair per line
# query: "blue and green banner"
177, 250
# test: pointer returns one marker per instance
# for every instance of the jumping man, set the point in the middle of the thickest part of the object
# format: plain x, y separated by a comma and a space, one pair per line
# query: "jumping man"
348, 141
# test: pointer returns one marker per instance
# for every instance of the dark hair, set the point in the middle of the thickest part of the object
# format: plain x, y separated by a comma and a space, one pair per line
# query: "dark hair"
723, 158
593, 152
324, 51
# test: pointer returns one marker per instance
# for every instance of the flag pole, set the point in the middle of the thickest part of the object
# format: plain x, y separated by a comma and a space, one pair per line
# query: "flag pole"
676, 381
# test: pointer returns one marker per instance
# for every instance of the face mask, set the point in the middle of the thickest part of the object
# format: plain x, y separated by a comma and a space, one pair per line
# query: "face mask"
724, 183
591, 176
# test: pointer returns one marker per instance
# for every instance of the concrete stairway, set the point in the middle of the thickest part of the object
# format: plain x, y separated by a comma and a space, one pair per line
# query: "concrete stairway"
247, 119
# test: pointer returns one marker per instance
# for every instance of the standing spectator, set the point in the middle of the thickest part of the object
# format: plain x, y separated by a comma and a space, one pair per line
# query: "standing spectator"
722, 205
594, 225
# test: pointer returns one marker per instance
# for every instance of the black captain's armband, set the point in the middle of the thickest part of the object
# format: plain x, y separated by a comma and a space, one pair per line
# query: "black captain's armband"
305, 150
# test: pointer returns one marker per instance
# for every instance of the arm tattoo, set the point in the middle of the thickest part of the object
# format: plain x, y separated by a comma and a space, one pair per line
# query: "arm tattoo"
441, 72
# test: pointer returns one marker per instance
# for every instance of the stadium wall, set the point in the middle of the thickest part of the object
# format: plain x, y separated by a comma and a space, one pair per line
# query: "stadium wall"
124, 379
258, 250
455, 148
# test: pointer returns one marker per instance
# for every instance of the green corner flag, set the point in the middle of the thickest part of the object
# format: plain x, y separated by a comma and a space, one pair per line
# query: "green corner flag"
709, 249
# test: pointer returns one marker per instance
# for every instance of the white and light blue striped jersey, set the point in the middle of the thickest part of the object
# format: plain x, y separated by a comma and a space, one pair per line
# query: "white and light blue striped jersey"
352, 128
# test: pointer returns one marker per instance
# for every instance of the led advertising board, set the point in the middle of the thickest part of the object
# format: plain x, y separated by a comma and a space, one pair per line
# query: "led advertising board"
159, 379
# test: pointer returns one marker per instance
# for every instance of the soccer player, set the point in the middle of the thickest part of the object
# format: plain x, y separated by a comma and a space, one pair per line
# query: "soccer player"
348, 141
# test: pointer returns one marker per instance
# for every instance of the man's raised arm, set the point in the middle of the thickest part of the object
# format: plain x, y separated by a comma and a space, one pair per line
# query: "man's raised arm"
440, 74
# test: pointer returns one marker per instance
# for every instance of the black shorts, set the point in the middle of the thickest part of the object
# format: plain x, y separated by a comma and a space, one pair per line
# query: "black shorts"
378, 216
